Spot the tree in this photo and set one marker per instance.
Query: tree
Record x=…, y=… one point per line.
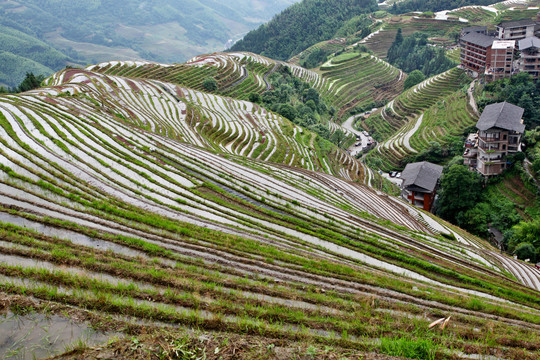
x=321, y=130
x=288, y=111
x=415, y=77
x=525, y=250
x=475, y=220
x=30, y=82
x=254, y=97
x=528, y=232
x=399, y=37
x=210, y=84
x=338, y=137
x=460, y=191
x=311, y=94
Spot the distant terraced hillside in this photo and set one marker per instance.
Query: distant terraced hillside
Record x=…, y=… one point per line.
x=344, y=84
x=380, y=42
x=431, y=111
x=237, y=74
x=358, y=80
x=110, y=212
x=213, y=122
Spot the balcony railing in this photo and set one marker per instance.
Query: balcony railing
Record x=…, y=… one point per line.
x=491, y=159
x=490, y=138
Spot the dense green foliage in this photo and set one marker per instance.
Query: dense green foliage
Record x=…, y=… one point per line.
x=476, y=208
x=524, y=239
x=435, y=5
x=518, y=90
x=297, y=101
x=21, y=53
x=315, y=58
x=531, y=139
x=302, y=25
x=525, y=251
x=460, y=190
x=357, y=25
x=30, y=82
x=210, y=84
x=13, y=69
x=415, y=77
x=439, y=151
x=413, y=53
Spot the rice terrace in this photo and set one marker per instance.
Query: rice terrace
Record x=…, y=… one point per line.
x=147, y=212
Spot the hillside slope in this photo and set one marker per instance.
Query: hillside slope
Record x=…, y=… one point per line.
x=115, y=212
x=84, y=32
x=302, y=25
x=210, y=121
x=357, y=81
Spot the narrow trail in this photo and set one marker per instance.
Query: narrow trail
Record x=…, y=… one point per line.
x=407, y=136
x=527, y=166
x=244, y=77
x=472, y=101
x=268, y=86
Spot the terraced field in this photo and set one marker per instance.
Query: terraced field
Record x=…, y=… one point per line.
x=380, y=42
x=360, y=80
x=115, y=214
x=483, y=15
x=431, y=110
x=223, y=124
x=366, y=78
x=333, y=45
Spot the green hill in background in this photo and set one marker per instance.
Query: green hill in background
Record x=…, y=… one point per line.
x=54, y=34
x=302, y=25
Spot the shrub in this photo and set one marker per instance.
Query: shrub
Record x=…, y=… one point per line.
x=210, y=84
x=525, y=250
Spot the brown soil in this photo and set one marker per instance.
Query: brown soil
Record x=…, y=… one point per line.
x=164, y=344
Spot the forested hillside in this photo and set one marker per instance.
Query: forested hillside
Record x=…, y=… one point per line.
x=302, y=25
x=43, y=36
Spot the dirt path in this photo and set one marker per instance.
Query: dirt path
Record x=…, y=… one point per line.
x=407, y=136
x=472, y=102
x=527, y=166
x=268, y=86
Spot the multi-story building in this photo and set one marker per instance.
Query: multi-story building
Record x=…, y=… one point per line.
x=471, y=152
x=483, y=54
x=530, y=56
x=499, y=133
x=475, y=51
x=516, y=30
x=500, y=59
x=420, y=181
x=537, y=28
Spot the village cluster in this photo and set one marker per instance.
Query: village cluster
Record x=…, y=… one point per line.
x=489, y=56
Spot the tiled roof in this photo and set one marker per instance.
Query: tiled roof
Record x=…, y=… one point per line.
x=529, y=43
x=471, y=29
x=517, y=23
x=422, y=175
x=503, y=116
x=478, y=39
